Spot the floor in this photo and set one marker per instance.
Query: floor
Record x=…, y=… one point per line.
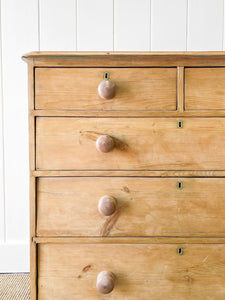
x=15, y=286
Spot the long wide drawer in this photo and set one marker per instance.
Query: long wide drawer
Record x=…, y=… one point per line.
x=120, y=206
x=70, y=271
x=139, y=143
x=77, y=88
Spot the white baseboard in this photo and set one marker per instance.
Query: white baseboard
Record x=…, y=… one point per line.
x=14, y=258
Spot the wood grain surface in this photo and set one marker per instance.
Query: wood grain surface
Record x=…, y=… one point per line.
x=129, y=240
x=32, y=185
x=141, y=144
x=72, y=242
x=204, y=88
x=126, y=59
x=129, y=173
x=69, y=271
x=77, y=88
x=129, y=113
x=145, y=207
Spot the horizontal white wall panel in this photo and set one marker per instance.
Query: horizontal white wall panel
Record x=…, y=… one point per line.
x=205, y=25
x=57, y=25
x=132, y=25
x=95, y=25
x=168, y=25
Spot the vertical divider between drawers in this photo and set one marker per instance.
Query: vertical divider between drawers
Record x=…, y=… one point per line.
x=180, y=89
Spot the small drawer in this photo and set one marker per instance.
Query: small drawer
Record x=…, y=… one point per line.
x=130, y=143
x=120, y=206
x=205, y=88
x=74, y=271
x=133, y=89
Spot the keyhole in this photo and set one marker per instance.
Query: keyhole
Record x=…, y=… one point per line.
x=180, y=251
x=106, y=75
x=180, y=124
x=180, y=185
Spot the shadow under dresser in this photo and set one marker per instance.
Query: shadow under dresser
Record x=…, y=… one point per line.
x=127, y=175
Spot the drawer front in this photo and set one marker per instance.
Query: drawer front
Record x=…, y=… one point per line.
x=140, y=271
x=144, y=206
x=205, y=88
x=139, y=144
x=77, y=88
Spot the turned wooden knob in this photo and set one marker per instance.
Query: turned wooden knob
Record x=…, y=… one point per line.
x=105, y=143
x=106, y=89
x=105, y=282
x=107, y=205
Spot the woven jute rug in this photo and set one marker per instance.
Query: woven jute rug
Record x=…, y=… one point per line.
x=15, y=286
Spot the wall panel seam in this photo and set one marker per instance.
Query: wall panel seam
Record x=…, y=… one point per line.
x=223, y=29
x=150, y=23
x=187, y=6
x=113, y=37
x=2, y=134
x=76, y=14
x=39, y=33
x=77, y=9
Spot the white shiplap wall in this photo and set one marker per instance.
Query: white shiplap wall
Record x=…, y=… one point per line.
x=19, y=32
x=28, y=25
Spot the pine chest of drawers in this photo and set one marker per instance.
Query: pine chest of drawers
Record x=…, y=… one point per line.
x=127, y=175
